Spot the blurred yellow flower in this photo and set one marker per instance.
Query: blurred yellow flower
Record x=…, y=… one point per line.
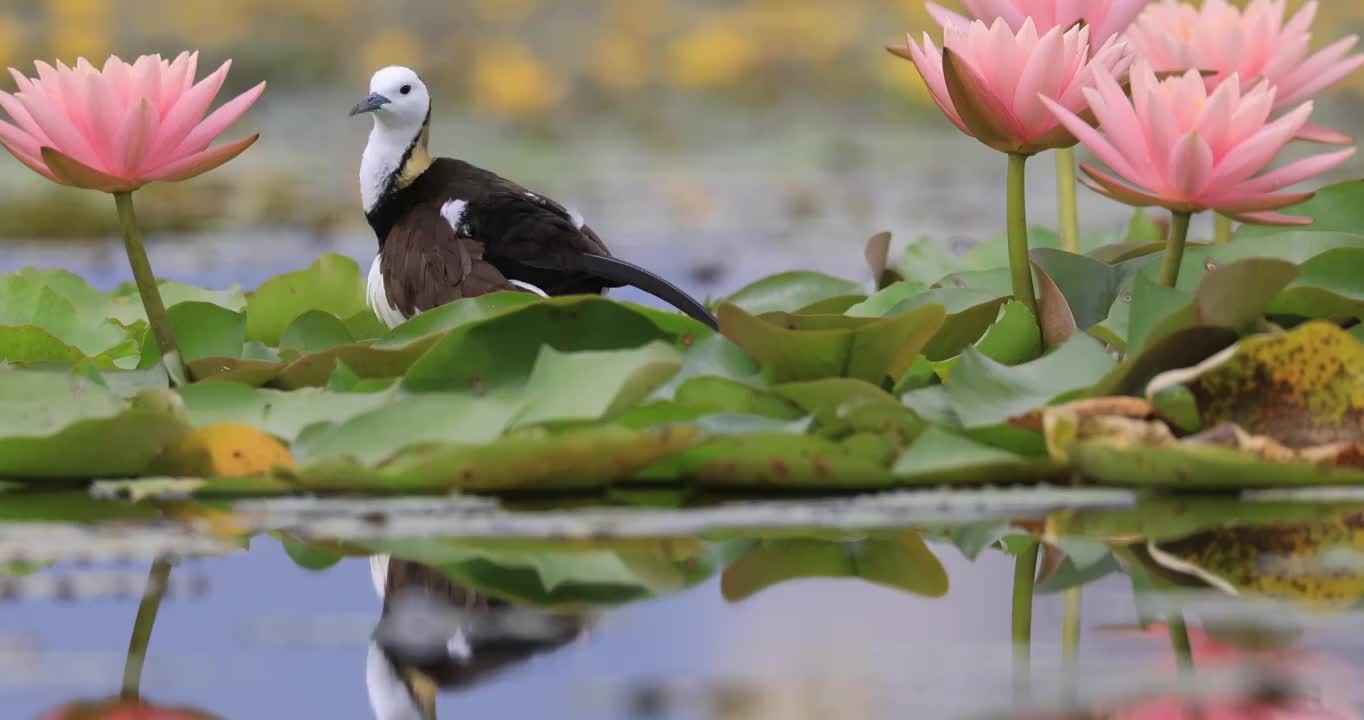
x=13, y=38
x=718, y=54
x=202, y=23
x=808, y=30
x=618, y=62
x=80, y=28
x=390, y=46
x=507, y=12
x=508, y=79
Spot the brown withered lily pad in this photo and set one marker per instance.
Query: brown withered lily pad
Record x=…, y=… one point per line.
x=1303, y=388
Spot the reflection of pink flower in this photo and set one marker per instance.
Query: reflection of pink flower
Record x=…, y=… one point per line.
x=123, y=710
x=1105, y=18
x=1174, y=145
x=989, y=81
x=124, y=126
x=1208, y=653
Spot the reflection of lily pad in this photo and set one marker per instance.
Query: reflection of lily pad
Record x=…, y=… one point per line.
x=1320, y=564
x=561, y=575
x=901, y=561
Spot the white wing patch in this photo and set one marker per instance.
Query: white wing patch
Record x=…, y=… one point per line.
x=577, y=219
x=453, y=212
x=377, y=296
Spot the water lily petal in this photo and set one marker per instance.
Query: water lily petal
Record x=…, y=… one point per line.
x=69, y=171
x=1272, y=218
x=1252, y=155
x=1323, y=135
x=1091, y=139
x=1190, y=166
x=1296, y=172
x=1120, y=191
x=188, y=111
x=135, y=136
x=32, y=160
x=1321, y=71
x=947, y=18
x=201, y=162
x=988, y=119
x=59, y=129
x=207, y=131
x=1256, y=203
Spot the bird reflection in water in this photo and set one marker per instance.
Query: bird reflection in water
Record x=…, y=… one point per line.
x=436, y=635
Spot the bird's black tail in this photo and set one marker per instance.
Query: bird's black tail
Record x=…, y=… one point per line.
x=618, y=272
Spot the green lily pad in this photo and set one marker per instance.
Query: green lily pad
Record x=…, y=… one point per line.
x=1329, y=285
x=587, y=386
x=985, y=393
x=481, y=356
x=58, y=425
x=536, y=460
x=792, y=291
x=1090, y=286
x=901, y=561
x=776, y=460
x=282, y=414
x=332, y=284
x=942, y=457
x=797, y=348
x=315, y=331
x=26, y=302
x=125, y=305
x=203, y=330
x=1337, y=208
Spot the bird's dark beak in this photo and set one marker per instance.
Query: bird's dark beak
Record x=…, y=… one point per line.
x=369, y=104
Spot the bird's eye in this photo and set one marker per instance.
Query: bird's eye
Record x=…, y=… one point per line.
x=406, y=89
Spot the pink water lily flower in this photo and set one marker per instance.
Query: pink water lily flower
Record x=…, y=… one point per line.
x=1174, y=145
x=1255, y=44
x=1105, y=18
x=118, y=128
x=989, y=80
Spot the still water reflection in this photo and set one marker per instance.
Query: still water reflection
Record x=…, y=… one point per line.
x=892, y=606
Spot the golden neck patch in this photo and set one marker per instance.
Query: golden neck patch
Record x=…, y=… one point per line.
x=417, y=161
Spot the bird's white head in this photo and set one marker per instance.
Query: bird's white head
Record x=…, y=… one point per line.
x=398, y=99
x=397, y=150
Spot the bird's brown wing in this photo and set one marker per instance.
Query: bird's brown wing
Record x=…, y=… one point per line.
x=427, y=264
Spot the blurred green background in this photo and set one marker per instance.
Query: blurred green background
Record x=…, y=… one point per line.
x=702, y=131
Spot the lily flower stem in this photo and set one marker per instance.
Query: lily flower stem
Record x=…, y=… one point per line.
x=157, y=317
x=1020, y=264
x=1221, y=229
x=1025, y=575
x=1070, y=641
x=1174, y=248
x=1066, y=201
x=142, y=628
x=1179, y=638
